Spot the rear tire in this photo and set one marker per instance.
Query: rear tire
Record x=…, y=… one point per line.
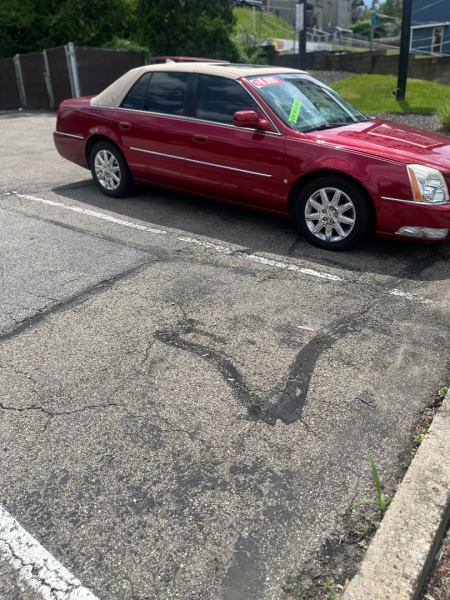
x=110, y=170
x=334, y=214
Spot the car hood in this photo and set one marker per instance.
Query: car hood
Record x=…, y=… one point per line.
x=390, y=140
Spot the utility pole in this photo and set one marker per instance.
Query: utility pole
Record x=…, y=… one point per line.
x=301, y=28
x=373, y=20
x=405, y=41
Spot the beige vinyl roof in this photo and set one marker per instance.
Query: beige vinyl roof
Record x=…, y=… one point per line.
x=114, y=94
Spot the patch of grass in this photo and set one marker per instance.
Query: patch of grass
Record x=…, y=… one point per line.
x=373, y=94
x=266, y=25
x=350, y=48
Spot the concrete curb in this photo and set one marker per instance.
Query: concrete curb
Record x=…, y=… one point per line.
x=401, y=553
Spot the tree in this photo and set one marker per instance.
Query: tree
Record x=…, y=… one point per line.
x=392, y=8
x=24, y=25
x=186, y=28
x=91, y=22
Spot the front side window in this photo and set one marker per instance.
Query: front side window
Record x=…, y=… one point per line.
x=303, y=103
x=219, y=98
x=166, y=93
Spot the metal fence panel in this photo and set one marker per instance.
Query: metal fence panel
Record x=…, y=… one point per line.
x=59, y=75
x=98, y=67
x=9, y=92
x=33, y=75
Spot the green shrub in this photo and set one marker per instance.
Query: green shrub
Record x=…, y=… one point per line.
x=444, y=116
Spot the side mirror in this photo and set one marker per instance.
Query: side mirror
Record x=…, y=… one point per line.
x=246, y=118
x=250, y=119
x=264, y=125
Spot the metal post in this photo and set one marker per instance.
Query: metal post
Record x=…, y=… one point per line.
x=405, y=41
x=373, y=20
x=73, y=69
x=19, y=78
x=301, y=27
x=48, y=81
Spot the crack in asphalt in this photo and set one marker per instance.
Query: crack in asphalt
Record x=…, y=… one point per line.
x=292, y=398
x=38, y=573
x=75, y=300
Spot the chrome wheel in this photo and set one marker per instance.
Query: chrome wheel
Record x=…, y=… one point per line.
x=107, y=170
x=330, y=214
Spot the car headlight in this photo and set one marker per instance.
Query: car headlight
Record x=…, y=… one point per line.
x=428, y=185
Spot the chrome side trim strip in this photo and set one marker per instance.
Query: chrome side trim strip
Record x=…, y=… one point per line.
x=229, y=168
x=399, y=200
x=200, y=162
x=149, y=112
x=227, y=126
x=414, y=203
x=158, y=153
x=79, y=137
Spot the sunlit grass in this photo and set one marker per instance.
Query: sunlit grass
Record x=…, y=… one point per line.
x=267, y=25
x=373, y=94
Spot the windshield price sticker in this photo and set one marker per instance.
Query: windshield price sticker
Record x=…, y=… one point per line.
x=295, y=110
x=263, y=81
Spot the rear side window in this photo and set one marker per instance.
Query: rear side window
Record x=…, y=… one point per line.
x=135, y=97
x=219, y=98
x=166, y=93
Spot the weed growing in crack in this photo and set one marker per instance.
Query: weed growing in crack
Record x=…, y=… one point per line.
x=443, y=392
x=297, y=591
x=366, y=529
x=330, y=595
x=381, y=501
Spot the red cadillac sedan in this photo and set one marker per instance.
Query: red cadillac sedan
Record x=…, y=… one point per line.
x=267, y=138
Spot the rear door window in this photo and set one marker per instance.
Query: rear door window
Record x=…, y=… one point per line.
x=219, y=98
x=166, y=93
x=135, y=97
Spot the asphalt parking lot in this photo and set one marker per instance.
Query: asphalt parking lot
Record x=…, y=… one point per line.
x=179, y=413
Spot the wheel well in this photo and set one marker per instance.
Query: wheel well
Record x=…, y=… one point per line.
x=308, y=177
x=94, y=140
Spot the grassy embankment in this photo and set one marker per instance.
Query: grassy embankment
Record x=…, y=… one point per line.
x=373, y=94
x=267, y=25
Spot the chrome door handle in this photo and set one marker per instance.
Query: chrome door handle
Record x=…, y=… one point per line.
x=124, y=125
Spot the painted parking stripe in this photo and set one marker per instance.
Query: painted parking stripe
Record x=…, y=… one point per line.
x=36, y=567
x=409, y=296
x=189, y=240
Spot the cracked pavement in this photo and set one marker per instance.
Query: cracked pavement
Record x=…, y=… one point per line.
x=166, y=428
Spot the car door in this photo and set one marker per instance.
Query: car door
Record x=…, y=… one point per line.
x=151, y=127
x=224, y=161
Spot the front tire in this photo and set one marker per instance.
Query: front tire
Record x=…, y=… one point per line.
x=110, y=170
x=333, y=213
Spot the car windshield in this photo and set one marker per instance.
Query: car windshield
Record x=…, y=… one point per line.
x=303, y=103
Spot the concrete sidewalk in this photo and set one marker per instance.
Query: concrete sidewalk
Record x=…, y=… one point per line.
x=400, y=555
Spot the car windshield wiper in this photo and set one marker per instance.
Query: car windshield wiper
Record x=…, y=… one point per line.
x=329, y=125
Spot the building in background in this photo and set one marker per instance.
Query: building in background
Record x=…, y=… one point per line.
x=430, y=27
x=320, y=14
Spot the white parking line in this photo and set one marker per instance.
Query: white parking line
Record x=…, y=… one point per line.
x=409, y=296
x=35, y=566
x=189, y=240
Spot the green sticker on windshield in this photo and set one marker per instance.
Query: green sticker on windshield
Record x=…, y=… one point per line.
x=293, y=117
